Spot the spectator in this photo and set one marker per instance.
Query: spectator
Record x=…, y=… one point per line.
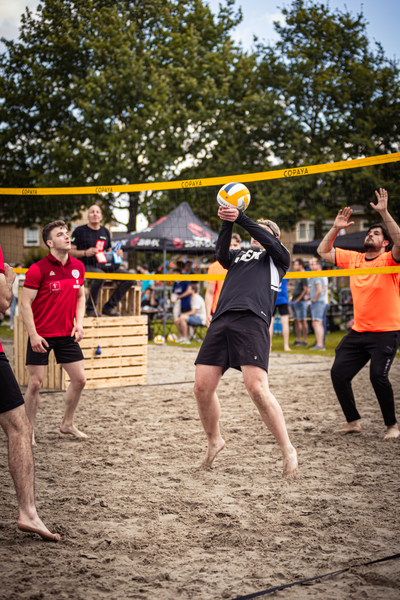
x=299, y=305
x=282, y=306
x=180, y=296
x=91, y=243
x=195, y=317
x=146, y=283
x=148, y=304
x=319, y=300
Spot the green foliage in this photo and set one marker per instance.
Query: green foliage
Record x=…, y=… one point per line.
x=34, y=255
x=100, y=93
x=341, y=101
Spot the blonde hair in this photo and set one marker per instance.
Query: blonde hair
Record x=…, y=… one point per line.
x=273, y=226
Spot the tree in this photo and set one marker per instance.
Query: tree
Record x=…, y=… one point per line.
x=319, y=95
x=341, y=101
x=104, y=93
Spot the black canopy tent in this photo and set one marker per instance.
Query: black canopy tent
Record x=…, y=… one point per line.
x=349, y=241
x=180, y=231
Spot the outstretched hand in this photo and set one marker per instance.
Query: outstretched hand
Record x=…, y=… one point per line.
x=228, y=214
x=382, y=197
x=342, y=219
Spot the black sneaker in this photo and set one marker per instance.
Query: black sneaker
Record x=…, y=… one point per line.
x=110, y=311
x=90, y=312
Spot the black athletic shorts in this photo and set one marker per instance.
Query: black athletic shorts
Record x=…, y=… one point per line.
x=65, y=348
x=234, y=339
x=10, y=394
x=283, y=309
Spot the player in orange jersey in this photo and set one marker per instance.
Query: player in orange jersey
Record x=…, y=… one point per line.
x=375, y=334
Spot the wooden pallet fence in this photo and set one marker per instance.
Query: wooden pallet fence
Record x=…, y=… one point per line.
x=123, y=358
x=54, y=375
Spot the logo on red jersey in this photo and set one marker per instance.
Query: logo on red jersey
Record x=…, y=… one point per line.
x=75, y=274
x=55, y=286
x=51, y=273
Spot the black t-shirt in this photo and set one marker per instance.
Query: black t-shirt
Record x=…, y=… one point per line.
x=254, y=275
x=83, y=237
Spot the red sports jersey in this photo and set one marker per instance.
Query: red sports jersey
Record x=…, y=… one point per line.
x=54, y=307
x=1, y=271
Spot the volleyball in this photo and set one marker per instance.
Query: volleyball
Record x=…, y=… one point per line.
x=172, y=337
x=234, y=195
x=159, y=339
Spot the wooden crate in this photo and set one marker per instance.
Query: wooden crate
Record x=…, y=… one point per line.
x=130, y=303
x=123, y=358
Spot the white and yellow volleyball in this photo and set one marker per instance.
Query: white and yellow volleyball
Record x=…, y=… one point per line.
x=234, y=195
x=159, y=339
x=172, y=337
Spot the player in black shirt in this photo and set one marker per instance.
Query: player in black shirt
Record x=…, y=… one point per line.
x=91, y=243
x=238, y=336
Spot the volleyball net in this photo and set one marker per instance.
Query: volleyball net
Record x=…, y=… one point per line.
x=303, y=201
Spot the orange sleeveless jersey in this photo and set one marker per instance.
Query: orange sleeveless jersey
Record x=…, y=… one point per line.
x=376, y=298
x=216, y=269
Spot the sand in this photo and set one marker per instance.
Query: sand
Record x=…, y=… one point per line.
x=138, y=519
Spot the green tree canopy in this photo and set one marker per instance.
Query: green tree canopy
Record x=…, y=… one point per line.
x=101, y=93
x=320, y=94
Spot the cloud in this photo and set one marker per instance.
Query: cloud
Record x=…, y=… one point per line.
x=11, y=12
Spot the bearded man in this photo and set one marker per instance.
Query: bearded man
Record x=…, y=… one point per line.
x=375, y=334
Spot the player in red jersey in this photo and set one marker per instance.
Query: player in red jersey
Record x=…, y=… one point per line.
x=17, y=428
x=52, y=307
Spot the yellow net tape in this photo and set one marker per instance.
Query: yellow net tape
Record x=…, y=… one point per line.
x=206, y=277
x=194, y=183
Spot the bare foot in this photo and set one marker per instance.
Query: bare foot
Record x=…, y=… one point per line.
x=353, y=427
x=287, y=349
x=72, y=430
x=392, y=432
x=290, y=465
x=211, y=454
x=37, y=526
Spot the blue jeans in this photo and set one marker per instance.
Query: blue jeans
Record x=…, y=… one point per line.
x=299, y=310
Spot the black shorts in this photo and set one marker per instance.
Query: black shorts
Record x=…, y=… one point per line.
x=236, y=338
x=283, y=309
x=65, y=348
x=10, y=394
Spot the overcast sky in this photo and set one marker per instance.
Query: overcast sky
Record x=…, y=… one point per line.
x=383, y=17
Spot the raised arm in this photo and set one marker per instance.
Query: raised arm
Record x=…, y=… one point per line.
x=6, y=283
x=222, y=252
x=272, y=245
x=325, y=249
x=393, y=228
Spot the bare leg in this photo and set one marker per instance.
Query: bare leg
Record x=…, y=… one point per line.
x=305, y=330
x=352, y=427
x=392, y=432
x=76, y=372
x=19, y=432
x=271, y=332
x=319, y=333
x=298, y=329
x=256, y=382
x=206, y=382
x=285, y=332
x=36, y=376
